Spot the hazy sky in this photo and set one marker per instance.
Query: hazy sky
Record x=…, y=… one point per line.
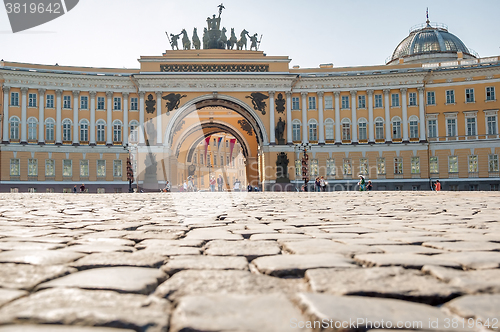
x=115, y=33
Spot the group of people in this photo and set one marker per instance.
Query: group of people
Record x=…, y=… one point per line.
x=320, y=183
x=188, y=186
x=82, y=188
x=363, y=185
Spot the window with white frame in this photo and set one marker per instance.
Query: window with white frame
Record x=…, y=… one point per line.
x=396, y=127
x=490, y=93
x=450, y=96
x=134, y=131
x=329, y=129
x=84, y=102
x=295, y=103
x=415, y=165
x=313, y=168
x=362, y=101
x=381, y=166
x=431, y=98
x=378, y=101
x=472, y=164
x=50, y=101
x=493, y=163
x=67, y=167
x=412, y=99
x=117, y=104
x=398, y=165
x=491, y=124
x=328, y=102
x=32, y=167
x=202, y=161
x=345, y=102
x=453, y=164
x=32, y=100
x=471, y=125
x=15, y=167
x=117, y=131
x=363, y=166
x=395, y=99
x=469, y=95
x=67, y=102
x=222, y=160
x=101, y=129
x=347, y=167
x=432, y=128
x=14, y=128
x=100, y=103
x=66, y=129
x=50, y=167
x=32, y=129
x=413, y=120
x=296, y=130
x=451, y=126
x=313, y=130
x=14, y=99
x=433, y=165
x=346, y=129
x=84, y=130
x=362, y=123
x=49, y=129
x=379, y=128
x=312, y=103
x=117, y=168
x=101, y=168
x=330, y=167
x=227, y=161
x=134, y=104
x=298, y=168
x=84, y=168
x=215, y=159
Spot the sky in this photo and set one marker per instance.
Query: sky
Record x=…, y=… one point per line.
x=115, y=33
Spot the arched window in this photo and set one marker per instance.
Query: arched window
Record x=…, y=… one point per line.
x=101, y=125
x=117, y=131
x=413, y=126
x=396, y=127
x=32, y=123
x=329, y=129
x=296, y=130
x=379, y=128
x=84, y=130
x=49, y=129
x=134, y=127
x=346, y=129
x=362, y=129
x=313, y=130
x=66, y=129
x=14, y=128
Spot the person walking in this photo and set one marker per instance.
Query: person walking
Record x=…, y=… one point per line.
x=317, y=184
x=362, y=183
x=438, y=185
x=74, y=189
x=220, y=182
x=322, y=184
x=212, y=184
x=82, y=188
x=190, y=184
x=369, y=186
x=185, y=186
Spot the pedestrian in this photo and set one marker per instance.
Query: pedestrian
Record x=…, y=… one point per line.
x=190, y=183
x=82, y=188
x=322, y=183
x=438, y=185
x=212, y=184
x=317, y=184
x=74, y=189
x=249, y=188
x=369, y=186
x=185, y=186
x=362, y=183
x=167, y=187
x=236, y=186
x=220, y=182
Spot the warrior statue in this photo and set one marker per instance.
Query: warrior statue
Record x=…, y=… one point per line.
x=254, y=41
x=280, y=130
x=186, y=44
x=206, y=38
x=196, y=39
x=174, y=39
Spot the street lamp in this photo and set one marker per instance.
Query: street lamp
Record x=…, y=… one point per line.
x=305, y=163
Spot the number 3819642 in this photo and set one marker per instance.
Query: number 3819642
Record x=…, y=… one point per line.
x=33, y=8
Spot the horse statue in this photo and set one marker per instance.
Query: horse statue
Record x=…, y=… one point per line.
x=232, y=41
x=206, y=38
x=242, y=41
x=223, y=39
x=185, y=40
x=196, y=39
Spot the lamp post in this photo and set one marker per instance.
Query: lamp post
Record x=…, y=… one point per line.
x=305, y=164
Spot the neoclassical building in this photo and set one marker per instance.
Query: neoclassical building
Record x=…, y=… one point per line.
x=430, y=112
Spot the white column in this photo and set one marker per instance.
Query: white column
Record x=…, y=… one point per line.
x=321, y=118
x=305, y=127
x=387, y=116
x=159, y=126
x=371, y=129
x=140, y=130
x=338, y=136
x=5, y=119
x=354, y=118
x=125, y=118
x=58, y=117
x=41, y=116
x=76, y=127
x=405, y=114
x=272, y=123
x=92, y=118
x=289, y=129
x=24, y=107
x=109, y=118
x=421, y=114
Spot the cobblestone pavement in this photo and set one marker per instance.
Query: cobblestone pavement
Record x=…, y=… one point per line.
x=250, y=261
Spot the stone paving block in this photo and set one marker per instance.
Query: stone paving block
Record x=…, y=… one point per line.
x=58, y=328
x=67, y=306
x=95, y=248
x=121, y=279
x=485, y=307
x=248, y=249
x=26, y=277
x=322, y=246
x=8, y=295
x=408, y=249
x=296, y=265
x=406, y=260
x=234, y=312
x=468, y=281
x=474, y=260
x=211, y=234
x=103, y=241
x=24, y=245
x=168, y=243
x=137, y=259
x=179, y=263
x=279, y=236
x=139, y=236
x=45, y=239
x=464, y=246
x=39, y=257
x=172, y=250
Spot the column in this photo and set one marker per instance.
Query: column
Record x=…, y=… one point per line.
x=24, y=107
x=41, y=116
x=421, y=114
x=405, y=114
x=6, y=101
x=272, y=123
x=387, y=116
x=109, y=118
x=92, y=119
x=338, y=136
x=159, y=127
x=354, y=126
x=125, y=118
x=140, y=130
x=58, y=117
x=305, y=127
x=289, y=127
x=371, y=129
x=321, y=118
x=76, y=131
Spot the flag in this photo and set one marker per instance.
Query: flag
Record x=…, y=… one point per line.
x=231, y=146
x=218, y=143
x=207, y=142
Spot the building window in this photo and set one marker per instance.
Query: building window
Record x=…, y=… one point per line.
x=451, y=127
x=469, y=95
x=362, y=101
x=101, y=130
x=66, y=129
x=313, y=130
x=379, y=128
x=433, y=165
x=15, y=169
x=490, y=93
x=227, y=143
x=215, y=159
x=84, y=102
x=413, y=126
x=50, y=101
x=67, y=102
x=398, y=165
x=313, y=168
x=362, y=129
x=32, y=100
x=346, y=129
x=50, y=168
x=415, y=165
x=453, y=164
x=345, y=102
x=396, y=127
x=67, y=168
x=328, y=102
x=432, y=128
x=296, y=130
x=215, y=141
x=395, y=99
x=14, y=99
x=347, y=167
x=100, y=103
x=381, y=166
x=378, y=101
x=32, y=132
x=14, y=128
x=227, y=161
x=431, y=98
x=117, y=131
x=84, y=130
x=491, y=124
x=117, y=168
x=329, y=129
x=298, y=168
x=450, y=96
x=363, y=166
x=49, y=129
x=134, y=104
x=84, y=168
x=101, y=168
x=295, y=103
x=330, y=167
x=201, y=159
x=222, y=160
x=472, y=164
x=312, y=103
x=117, y=104
x=412, y=100
x=134, y=131
x=471, y=127
x=493, y=163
